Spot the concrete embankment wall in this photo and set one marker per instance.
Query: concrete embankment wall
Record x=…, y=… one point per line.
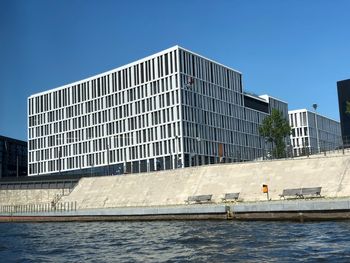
x=28, y=196
x=297, y=209
x=174, y=186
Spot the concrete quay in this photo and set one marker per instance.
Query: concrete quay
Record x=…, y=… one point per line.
x=172, y=187
x=293, y=210
x=185, y=212
x=161, y=195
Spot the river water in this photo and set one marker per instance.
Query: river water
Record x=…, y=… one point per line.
x=175, y=241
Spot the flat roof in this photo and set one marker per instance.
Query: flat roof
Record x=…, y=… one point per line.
x=256, y=97
x=306, y=110
x=127, y=66
x=344, y=80
x=268, y=96
x=12, y=139
x=209, y=60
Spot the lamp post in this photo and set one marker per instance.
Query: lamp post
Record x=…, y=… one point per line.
x=198, y=149
x=108, y=170
x=59, y=160
x=17, y=170
x=265, y=152
x=92, y=167
x=317, y=136
x=177, y=151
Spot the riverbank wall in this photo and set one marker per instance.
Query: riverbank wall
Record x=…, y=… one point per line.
x=292, y=210
x=173, y=187
x=105, y=198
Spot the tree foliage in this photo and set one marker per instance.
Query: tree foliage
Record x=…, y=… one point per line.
x=347, y=109
x=275, y=128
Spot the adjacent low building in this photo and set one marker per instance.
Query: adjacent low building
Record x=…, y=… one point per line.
x=304, y=133
x=169, y=110
x=13, y=157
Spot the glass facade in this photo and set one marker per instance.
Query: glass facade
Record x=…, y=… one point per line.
x=344, y=103
x=13, y=157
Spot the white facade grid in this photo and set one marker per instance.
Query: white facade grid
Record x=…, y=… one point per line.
x=304, y=134
x=127, y=114
x=172, y=109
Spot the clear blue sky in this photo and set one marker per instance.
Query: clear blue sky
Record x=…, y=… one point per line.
x=294, y=50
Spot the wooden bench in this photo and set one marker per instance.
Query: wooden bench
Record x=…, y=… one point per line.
x=291, y=192
x=301, y=192
x=199, y=199
x=313, y=191
x=230, y=196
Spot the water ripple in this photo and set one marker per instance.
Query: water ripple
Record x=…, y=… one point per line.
x=176, y=241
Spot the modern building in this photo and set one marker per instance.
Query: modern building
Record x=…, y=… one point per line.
x=344, y=109
x=169, y=110
x=304, y=133
x=13, y=157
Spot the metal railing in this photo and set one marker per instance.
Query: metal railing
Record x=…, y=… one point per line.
x=39, y=208
x=5, y=184
x=325, y=148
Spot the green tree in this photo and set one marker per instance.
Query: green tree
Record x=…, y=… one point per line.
x=274, y=129
x=347, y=110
